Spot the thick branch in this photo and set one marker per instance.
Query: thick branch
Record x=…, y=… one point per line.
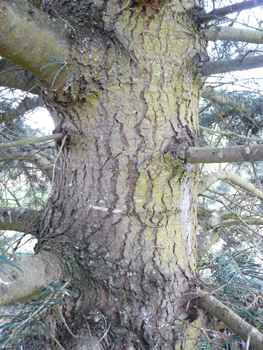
x=224, y=175
x=30, y=141
x=20, y=220
x=247, y=153
x=231, y=319
x=223, y=11
x=35, y=157
x=47, y=37
x=15, y=77
x=217, y=67
x=234, y=34
x=38, y=270
x=24, y=106
x=223, y=100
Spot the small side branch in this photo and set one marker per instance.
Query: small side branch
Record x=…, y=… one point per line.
x=35, y=157
x=31, y=141
x=14, y=77
x=224, y=175
x=247, y=153
x=20, y=219
x=223, y=11
x=223, y=99
x=38, y=270
x=218, y=67
x=28, y=104
x=231, y=319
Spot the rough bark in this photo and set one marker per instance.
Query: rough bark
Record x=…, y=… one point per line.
x=20, y=220
x=38, y=270
x=122, y=216
x=122, y=197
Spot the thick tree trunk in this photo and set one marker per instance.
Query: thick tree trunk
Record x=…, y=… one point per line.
x=123, y=212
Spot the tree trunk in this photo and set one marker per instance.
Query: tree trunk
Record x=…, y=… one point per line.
x=122, y=215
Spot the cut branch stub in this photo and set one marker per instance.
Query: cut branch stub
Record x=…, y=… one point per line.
x=181, y=142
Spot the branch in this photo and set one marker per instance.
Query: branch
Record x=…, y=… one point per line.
x=217, y=67
x=24, y=106
x=34, y=157
x=222, y=99
x=234, y=34
x=20, y=220
x=38, y=270
x=21, y=21
x=246, y=153
x=249, y=221
x=224, y=175
x=30, y=141
x=223, y=11
x=231, y=319
x=205, y=241
x=15, y=77
x=209, y=236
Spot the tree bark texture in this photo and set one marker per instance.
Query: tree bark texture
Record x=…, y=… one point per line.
x=122, y=216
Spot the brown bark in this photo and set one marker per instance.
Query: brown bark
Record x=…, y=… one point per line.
x=122, y=216
x=122, y=196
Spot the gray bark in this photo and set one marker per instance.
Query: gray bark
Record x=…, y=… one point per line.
x=218, y=67
x=234, y=34
x=246, y=153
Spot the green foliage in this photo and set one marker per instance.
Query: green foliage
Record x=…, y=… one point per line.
x=63, y=64
x=237, y=280
x=32, y=318
x=219, y=343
